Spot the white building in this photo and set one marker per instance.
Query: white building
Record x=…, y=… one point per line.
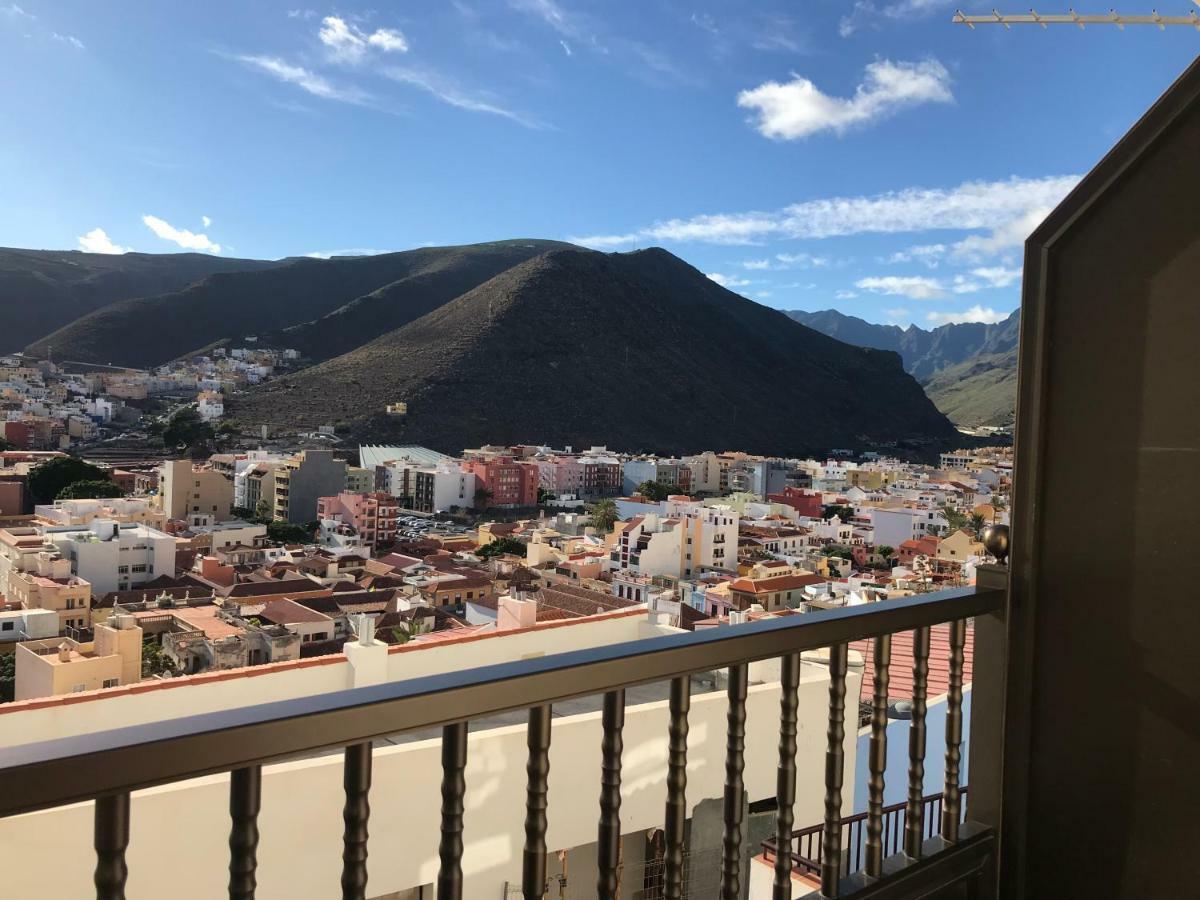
x=112, y=556
x=210, y=405
x=27, y=625
x=895, y=525
x=687, y=539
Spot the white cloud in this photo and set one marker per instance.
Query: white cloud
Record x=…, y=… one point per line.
x=566, y=47
x=798, y=108
x=1006, y=236
x=309, y=81
x=915, y=287
x=927, y=254
x=68, y=39
x=350, y=251
x=865, y=12
x=801, y=260
x=389, y=40
x=997, y=276
x=1000, y=206
x=348, y=43
x=189, y=240
x=455, y=96
x=96, y=241
x=206, y=221
x=763, y=295
x=985, y=315
x=846, y=295
x=549, y=12
x=897, y=314
x=728, y=281
x=756, y=264
x=918, y=287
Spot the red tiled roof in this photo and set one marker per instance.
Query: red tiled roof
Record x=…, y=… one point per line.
x=900, y=671
x=775, y=583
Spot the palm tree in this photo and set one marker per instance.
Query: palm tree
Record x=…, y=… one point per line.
x=604, y=515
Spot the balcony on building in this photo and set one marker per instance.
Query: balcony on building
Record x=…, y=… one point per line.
x=618, y=756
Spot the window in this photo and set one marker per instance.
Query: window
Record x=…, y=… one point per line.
x=122, y=570
x=70, y=603
x=141, y=568
x=78, y=688
x=111, y=682
x=7, y=626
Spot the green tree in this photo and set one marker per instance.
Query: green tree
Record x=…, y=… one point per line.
x=653, y=491
x=501, y=546
x=187, y=429
x=845, y=513
x=545, y=496
x=5, y=444
x=977, y=523
x=604, y=515
x=154, y=661
x=47, y=481
x=89, y=490
x=885, y=551
x=835, y=550
x=288, y=533
x=954, y=519
x=8, y=676
x=482, y=497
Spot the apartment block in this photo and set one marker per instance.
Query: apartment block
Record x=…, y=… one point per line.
x=198, y=495
x=373, y=516
x=302, y=479
x=57, y=666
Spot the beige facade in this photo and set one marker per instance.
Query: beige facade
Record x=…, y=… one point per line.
x=198, y=496
x=57, y=666
x=50, y=585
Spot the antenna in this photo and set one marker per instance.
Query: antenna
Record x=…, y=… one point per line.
x=1033, y=17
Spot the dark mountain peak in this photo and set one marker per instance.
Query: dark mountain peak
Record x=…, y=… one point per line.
x=634, y=349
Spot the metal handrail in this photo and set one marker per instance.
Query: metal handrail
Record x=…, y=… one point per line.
x=47, y=774
x=812, y=864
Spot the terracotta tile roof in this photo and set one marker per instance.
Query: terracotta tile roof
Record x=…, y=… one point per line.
x=900, y=670
x=775, y=583
x=288, y=612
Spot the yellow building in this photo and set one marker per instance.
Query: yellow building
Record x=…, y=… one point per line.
x=59, y=666
x=49, y=584
x=198, y=496
x=959, y=546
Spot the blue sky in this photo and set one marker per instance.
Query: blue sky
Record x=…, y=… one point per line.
x=867, y=156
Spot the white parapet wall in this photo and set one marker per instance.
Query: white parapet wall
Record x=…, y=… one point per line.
x=179, y=834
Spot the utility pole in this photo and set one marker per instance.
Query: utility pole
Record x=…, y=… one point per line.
x=1033, y=17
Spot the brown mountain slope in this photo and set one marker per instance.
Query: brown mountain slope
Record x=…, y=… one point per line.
x=43, y=290
x=153, y=330
x=636, y=350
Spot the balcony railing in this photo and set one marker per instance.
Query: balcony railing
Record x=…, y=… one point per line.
x=807, y=844
x=107, y=766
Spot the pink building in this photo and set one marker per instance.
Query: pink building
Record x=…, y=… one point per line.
x=510, y=483
x=373, y=515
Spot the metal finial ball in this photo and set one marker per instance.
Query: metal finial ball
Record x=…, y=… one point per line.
x=995, y=540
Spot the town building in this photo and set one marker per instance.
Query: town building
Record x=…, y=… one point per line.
x=302, y=479
x=198, y=495
x=372, y=516
x=112, y=556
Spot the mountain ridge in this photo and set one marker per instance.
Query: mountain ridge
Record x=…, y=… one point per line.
x=555, y=340
x=967, y=369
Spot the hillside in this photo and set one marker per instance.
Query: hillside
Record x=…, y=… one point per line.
x=968, y=370
x=636, y=350
x=348, y=300
x=43, y=290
